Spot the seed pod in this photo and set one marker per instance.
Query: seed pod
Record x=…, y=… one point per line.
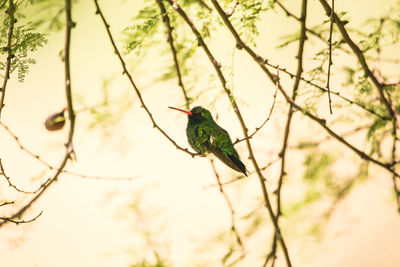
x=55, y=121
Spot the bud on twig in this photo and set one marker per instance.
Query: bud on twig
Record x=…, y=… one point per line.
x=55, y=121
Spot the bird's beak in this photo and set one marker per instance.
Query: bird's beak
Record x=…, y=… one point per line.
x=181, y=110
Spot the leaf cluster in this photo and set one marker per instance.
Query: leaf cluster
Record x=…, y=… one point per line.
x=24, y=40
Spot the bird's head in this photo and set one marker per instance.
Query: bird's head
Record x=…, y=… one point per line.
x=197, y=113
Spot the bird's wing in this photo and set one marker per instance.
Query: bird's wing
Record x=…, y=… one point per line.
x=221, y=146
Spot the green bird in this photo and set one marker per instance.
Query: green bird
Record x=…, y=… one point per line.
x=206, y=136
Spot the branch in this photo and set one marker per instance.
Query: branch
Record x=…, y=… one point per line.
x=19, y=222
x=240, y=177
x=10, y=11
x=323, y=89
x=282, y=154
x=203, y=4
x=126, y=72
x=69, y=147
x=51, y=167
x=170, y=40
x=3, y=172
x=269, y=115
x=3, y=3
x=359, y=54
x=290, y=14
x=330, y=63
x=229, y=203
x=6, y=203
x=327, y=138
x=299, y=57
x=395, y=179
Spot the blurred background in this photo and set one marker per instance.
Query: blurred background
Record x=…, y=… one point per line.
x=139, y=201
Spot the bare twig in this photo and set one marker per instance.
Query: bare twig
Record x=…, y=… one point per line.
x=170, y=40
x=282, y=154
x=6, y=203
x=241, y=177
x=329, y=137
x=3, y=3
x=271, y=257
x=51, y=167
x=299, y=57
x=396, y=180
x=290, y=14
x=229, y=203
x=269, y=115
x=5, y=219
x=69, y=146
x=10, y=11
x=330, y=62
x=323, y=89
x=3, y=172
x=203, y=4
x=126, y=72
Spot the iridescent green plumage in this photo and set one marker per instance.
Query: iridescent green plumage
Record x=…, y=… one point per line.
x=206, y=136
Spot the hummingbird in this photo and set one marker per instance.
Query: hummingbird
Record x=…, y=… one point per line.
x=206, y=136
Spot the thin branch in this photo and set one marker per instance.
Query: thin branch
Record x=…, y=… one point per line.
x=6, y=203
x=360, y=56
x=299, y=57
x=229, y=203
x=203, y=4
x=330, y=62
x=69, y=147
x=269, y=115
x=3, y=172
x=241, y=177
x=245, y=132
x=10, y=11
x=323, y=89
x=170, y=40
x=51, y=167
x=126, y=72
x=3, y=3
x=396, y=180
x=5, y=219
x=290, y=14
x=272, y=255
x=329, y=137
